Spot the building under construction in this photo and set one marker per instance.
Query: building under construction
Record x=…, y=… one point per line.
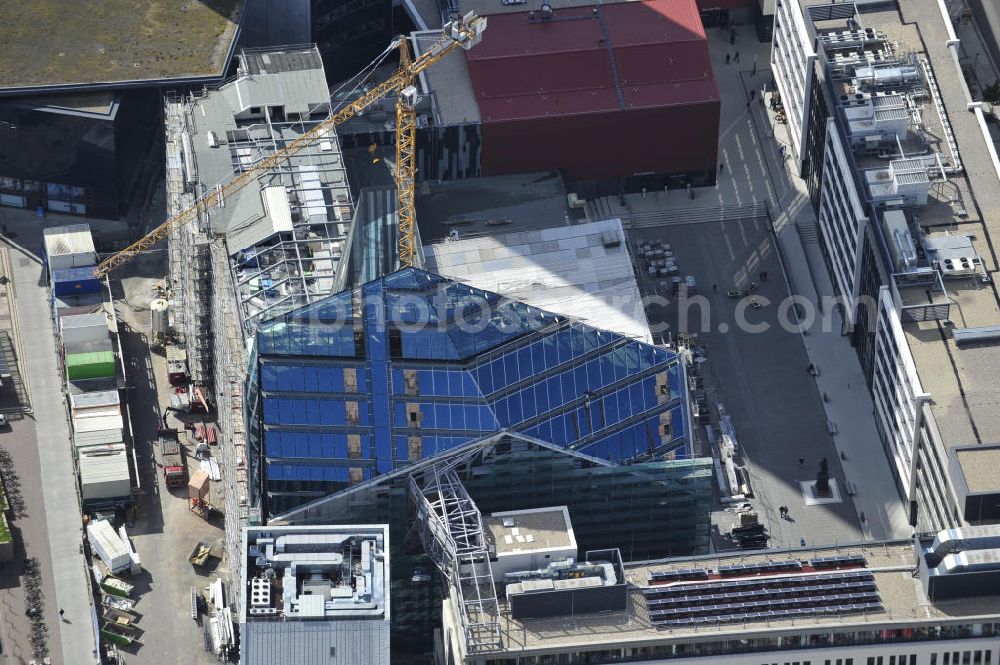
x=326, y=391
x=273, y=247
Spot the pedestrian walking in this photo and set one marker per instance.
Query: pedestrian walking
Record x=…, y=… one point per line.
x=715, y=288
x=722, y=167
x=736, y=58
x=802, y=461
x=748, y=105
x=753, y=72
x=753, y=93
x=727, y=58
x=802, y=542
x=62, y=612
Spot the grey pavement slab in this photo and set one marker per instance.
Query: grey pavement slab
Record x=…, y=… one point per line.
x=755, y=170
x=757, y=367
x=164, y=531
x=59, y=487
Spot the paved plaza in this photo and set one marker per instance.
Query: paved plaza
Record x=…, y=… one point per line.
x=756, y=172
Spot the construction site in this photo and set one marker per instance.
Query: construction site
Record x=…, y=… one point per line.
x=424, y=332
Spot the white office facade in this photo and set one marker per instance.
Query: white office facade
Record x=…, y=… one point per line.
x=793, y=65
x=841, y=218
x=896, y=643
x=896, y=393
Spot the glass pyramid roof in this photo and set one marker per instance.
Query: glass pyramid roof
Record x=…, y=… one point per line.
x=443, y=319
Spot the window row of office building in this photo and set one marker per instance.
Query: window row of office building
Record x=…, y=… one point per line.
x=864, y=112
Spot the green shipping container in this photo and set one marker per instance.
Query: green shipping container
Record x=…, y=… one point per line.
x=93, y=365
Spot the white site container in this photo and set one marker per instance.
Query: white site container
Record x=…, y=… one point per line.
x=69, y=247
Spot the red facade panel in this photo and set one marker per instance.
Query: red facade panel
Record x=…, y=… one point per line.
x=728, y=4
x=676, y=62
x=608, y=145
x=653, y=22
x=542, y=74
x=606, y=91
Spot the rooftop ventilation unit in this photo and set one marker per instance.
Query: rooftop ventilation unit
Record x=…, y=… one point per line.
x=960, y=266
x=260, y=593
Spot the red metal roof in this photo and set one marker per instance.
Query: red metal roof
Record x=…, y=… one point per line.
x=592, y=59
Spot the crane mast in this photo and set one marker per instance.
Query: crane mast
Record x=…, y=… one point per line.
x=464, y=32
x=406, y=162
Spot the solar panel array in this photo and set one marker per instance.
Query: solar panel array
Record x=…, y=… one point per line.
x=659, y=577
x=741, y=569
x=764, y=598
x=837, y=561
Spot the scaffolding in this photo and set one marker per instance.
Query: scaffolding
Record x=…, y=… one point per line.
x=271, y=248
x=451, y=531
x=294, y=257
x=230, y=356
x=187, y=250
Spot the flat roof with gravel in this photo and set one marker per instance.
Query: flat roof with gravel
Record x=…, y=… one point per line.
x=891, y=564
x=527, y=530
x=981, y=468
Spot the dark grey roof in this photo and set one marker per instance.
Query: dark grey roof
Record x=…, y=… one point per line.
x=374, y=236
x=347, y=642
x=270, y=61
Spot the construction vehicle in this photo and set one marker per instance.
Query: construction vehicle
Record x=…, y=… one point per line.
x=172, y=458
x=464, y=32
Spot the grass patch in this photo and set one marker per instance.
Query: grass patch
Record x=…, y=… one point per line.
x=5, y=536
x=49, y=42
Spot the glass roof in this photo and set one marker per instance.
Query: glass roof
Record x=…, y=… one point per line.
x=442, y=319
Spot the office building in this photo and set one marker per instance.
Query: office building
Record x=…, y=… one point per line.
x=79, y=108
x=410, y=365
x=351, y=34
x=86, y=153
x=854, y=604
x=272, y=246
x=605, y=78
x=893, y=150
x=283, y=235
x=315, y=594
x=644, y=510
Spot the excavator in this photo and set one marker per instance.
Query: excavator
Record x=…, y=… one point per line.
x=463, y=32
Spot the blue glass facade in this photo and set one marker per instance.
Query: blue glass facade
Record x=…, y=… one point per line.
x=410, y=365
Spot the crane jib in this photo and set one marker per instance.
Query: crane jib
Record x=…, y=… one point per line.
x=464, y=32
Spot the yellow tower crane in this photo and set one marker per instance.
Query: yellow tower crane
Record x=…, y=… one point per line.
x=464, y=32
